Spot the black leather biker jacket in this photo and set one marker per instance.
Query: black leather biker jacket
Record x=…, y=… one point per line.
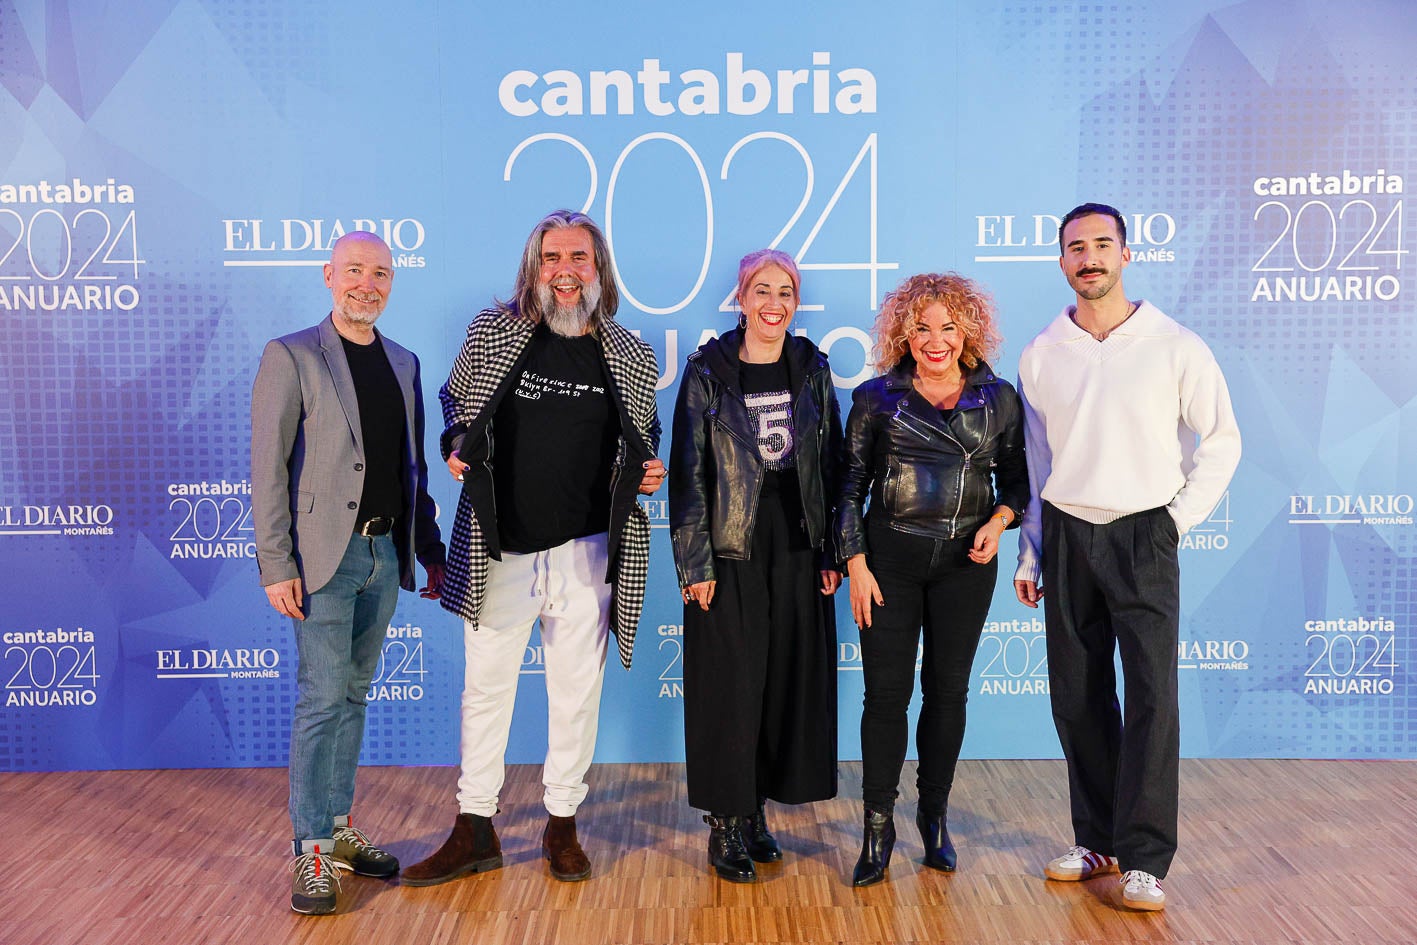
x=926, y=475
x=715, y=472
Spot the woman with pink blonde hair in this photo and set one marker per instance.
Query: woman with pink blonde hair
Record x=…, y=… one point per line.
x=752, y=476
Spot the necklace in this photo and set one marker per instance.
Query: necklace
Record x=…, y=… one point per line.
x=1102, y=334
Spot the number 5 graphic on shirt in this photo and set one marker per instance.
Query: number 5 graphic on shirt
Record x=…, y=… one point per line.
x=774, y=434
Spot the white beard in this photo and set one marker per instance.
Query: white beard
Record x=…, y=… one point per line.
x=569, y=321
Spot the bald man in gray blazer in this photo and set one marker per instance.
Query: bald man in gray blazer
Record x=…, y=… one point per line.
x=340, y=506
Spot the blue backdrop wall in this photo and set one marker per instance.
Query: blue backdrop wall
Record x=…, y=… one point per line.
x=172, y=173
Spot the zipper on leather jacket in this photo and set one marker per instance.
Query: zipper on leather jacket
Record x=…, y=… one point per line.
x=899, y=417
x=964, y=467
x=964, y=471
x=959, y=490
x=750, y=449
x=713, y=418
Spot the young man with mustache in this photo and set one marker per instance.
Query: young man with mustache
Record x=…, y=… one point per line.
x=1131, y=442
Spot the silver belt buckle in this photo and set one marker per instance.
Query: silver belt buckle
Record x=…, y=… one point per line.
x=376, y=526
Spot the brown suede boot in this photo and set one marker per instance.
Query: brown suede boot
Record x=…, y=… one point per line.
x=471, y=848
x=561, y=848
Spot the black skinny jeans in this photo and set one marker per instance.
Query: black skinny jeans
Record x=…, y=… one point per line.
x=931, y=585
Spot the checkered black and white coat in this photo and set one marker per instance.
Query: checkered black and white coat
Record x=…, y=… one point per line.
x=481, y=375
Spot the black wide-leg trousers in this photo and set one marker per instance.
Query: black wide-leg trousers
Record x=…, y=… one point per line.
x=1116, y=588
x=760, y=675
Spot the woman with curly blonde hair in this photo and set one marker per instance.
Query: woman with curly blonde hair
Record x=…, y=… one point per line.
x=936, y=441
x=968, y=303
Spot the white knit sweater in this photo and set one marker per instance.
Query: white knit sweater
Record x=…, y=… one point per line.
x=1138, y=421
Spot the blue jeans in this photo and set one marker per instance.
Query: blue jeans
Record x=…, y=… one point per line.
x=339, y=643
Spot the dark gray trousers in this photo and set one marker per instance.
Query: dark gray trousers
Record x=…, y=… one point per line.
x=1116, y=588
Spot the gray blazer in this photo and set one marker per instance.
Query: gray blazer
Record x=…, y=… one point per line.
x=307, y=460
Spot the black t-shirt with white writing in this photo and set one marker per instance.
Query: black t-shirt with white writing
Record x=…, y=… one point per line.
x=554, y=439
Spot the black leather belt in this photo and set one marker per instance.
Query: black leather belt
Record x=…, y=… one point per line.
x=375, y=526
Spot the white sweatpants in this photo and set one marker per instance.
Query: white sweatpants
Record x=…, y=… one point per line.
x=565, y=588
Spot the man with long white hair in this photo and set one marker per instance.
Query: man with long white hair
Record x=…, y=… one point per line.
x=551, y=427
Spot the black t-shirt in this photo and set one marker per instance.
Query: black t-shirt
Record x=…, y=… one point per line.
x=554, y=439
x=382, y=426
x=766, y=392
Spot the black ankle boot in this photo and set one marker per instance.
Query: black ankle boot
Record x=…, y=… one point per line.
x=762, y=845
x=876, y=848
x=935, y=834
x=726, y=851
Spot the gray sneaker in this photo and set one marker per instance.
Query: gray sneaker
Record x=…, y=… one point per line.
x=354, y=852
x=312, y=892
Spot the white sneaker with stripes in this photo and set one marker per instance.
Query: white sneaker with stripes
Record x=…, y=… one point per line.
x=1079, y=863
x=1142, y=891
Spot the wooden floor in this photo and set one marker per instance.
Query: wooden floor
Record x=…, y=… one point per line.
x=1271, y=851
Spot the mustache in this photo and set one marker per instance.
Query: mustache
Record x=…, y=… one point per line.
x=1092, y=271
x=570, y=320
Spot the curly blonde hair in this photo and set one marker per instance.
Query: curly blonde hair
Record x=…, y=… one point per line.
x=968, y=303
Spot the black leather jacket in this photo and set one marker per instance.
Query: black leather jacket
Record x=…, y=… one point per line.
x=925, y=476
x=715, y=472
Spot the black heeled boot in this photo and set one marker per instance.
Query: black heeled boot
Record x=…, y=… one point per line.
x=762, y=845
x=726, y=851
x=935, y=834
x=876, y=848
